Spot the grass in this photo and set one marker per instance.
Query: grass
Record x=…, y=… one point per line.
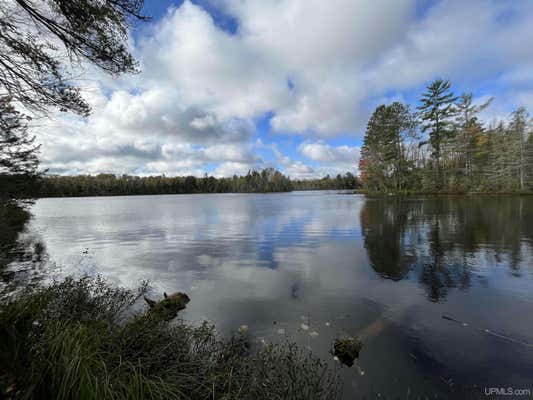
x=79, y=339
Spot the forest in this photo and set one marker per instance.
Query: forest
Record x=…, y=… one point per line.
x=442, y=145
x=264, y=181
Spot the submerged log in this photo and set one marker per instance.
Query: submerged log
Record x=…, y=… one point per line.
x=347, y=350
x=169, y=307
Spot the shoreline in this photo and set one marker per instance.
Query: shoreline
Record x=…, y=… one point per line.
x=351, y=191
x=442, y=194
x=354, y=191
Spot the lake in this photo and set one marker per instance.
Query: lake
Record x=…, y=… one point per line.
x=440, y=288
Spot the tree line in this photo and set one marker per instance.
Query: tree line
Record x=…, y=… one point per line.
x=443, y=146
x=348, y=181
x=264, y=181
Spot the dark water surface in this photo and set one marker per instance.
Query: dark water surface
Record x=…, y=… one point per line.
x=387, y=269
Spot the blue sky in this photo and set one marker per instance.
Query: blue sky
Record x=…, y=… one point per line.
x=229, y=85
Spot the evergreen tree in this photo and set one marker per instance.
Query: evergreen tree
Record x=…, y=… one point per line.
x=468, y=128
x=497, y=172
x=33, y=35
x=18, y=151
x=518, y=131
x=374, y=153
x=436, y=112
x=382, y=155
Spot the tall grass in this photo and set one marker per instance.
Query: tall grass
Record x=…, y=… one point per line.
x=77, y=339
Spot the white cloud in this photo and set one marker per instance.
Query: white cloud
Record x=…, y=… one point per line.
x=321, y=46
x=230, y=168
x=464, y=41
x=208, y=68
x=299, y=170
x=322, y=152
x=201, y=87
x=332, y=160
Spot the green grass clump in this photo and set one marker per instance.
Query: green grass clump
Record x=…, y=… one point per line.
x=78, y=339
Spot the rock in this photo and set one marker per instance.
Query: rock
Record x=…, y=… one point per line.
x=169, y=307
x=347, y=350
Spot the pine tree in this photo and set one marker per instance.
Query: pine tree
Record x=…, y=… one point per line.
x=18, y=151
x=468, y=127
x=402, y=123
x=518, y=131
x=35, y=37
x=382, y=155
x=497, y=172
x=436, y=112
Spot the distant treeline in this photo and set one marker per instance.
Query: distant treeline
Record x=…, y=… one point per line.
x=267, y=180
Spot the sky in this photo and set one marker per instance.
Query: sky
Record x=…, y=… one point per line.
x=232, y=85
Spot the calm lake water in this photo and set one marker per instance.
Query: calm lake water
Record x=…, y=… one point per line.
x=388, y=269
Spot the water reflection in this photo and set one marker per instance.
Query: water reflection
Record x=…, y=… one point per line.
x=28, y=252
x=12, y=220
x=443, y=242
